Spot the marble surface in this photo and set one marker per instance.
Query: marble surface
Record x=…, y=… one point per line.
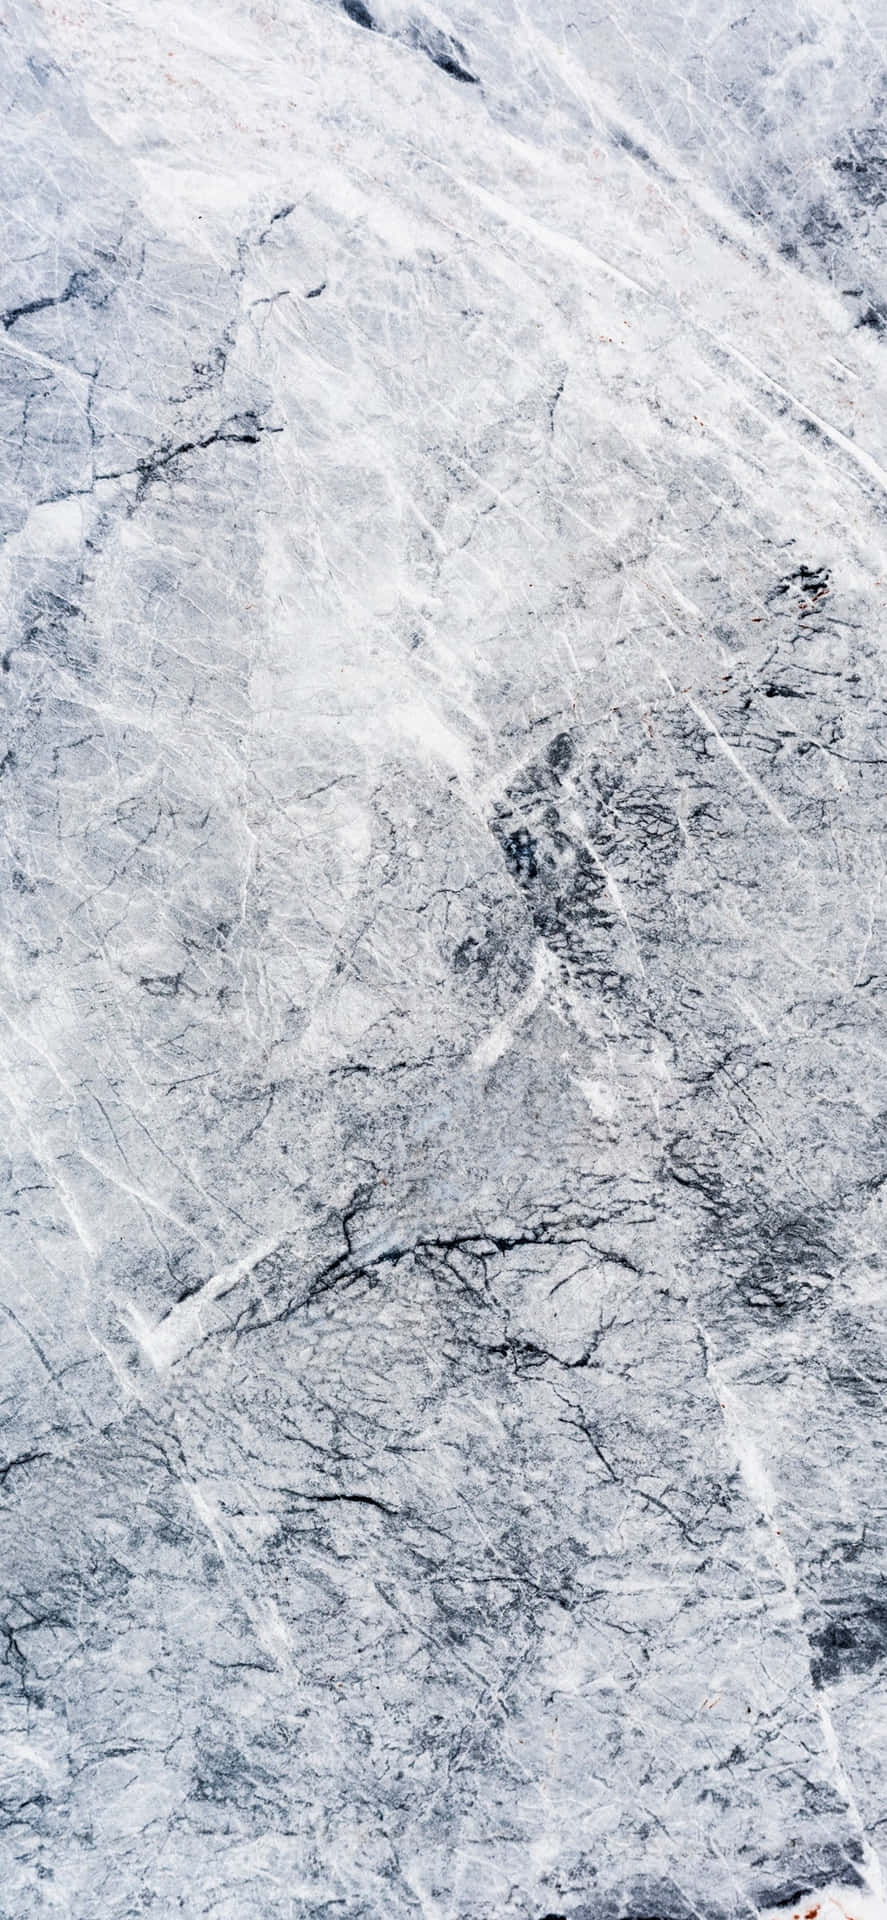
x=444, y=778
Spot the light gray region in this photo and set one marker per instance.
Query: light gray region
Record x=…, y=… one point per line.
x=444, y=778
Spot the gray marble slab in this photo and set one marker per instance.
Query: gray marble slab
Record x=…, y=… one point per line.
x=444, y=1058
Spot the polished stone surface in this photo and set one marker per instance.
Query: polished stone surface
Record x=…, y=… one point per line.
x=444, y=782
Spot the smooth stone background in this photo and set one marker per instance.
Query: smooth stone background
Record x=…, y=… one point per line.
x=444, y=782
